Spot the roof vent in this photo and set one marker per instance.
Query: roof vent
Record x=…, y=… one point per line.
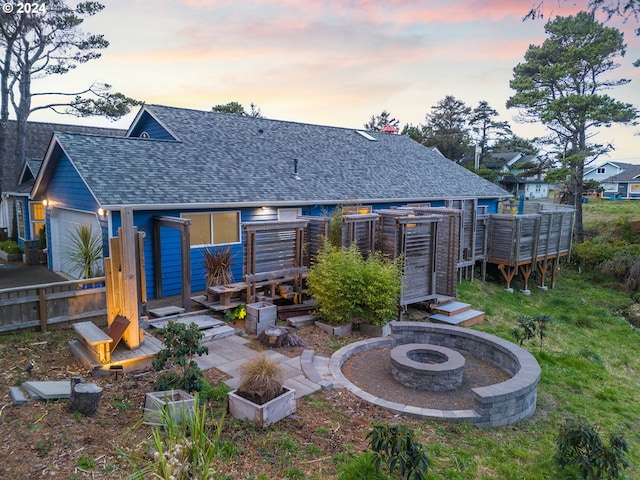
x=145, y=135
x=295, y=170
x=366, y=135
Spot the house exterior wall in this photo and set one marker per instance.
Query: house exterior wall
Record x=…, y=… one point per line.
x=536, y=190
x=602, y=172
x=170, y=241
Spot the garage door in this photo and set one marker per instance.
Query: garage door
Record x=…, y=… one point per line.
x=63, y=225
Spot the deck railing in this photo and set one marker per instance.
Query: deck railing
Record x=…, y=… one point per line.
x=47, y=304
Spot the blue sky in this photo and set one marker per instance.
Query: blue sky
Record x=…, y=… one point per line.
x=331, y=62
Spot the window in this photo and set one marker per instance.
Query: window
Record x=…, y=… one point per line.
x=601, y=170
x=353, y=209
x=20, y=219
x=289, y=214
x=37, y=219
x=215, y=228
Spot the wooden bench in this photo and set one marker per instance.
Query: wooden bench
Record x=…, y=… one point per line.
x=97, y=341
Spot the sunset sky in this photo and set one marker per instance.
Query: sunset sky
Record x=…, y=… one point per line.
x=330, y=62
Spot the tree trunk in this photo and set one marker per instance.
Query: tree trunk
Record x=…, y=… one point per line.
x=85, y=398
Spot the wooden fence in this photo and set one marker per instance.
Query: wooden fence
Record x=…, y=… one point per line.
x=47, y=304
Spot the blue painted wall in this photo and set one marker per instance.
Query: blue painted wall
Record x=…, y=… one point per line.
x=170, y=240
x=146, y=123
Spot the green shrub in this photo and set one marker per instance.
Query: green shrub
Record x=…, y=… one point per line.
x=348, y=288
x=10, y=246
x=181, y=342
x=530, y=328
x=581, y=449
x=395, y=446
x=591, y=254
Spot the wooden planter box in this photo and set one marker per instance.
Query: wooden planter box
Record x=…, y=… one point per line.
x=10, y=257
x=177, y=402
x=265, y=414
x=260, y=315
x=371, y=330
x=339, y=330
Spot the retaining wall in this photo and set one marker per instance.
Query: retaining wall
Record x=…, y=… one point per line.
x=496, y=405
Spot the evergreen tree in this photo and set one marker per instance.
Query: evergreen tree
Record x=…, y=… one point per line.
x=447, y=128
x=560, y=84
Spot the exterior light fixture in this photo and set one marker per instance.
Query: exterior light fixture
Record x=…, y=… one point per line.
x=101, y=211
x=45, y=202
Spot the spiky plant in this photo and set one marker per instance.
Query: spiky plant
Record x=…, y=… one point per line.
x=261, y=379
x=85, y=251
x=217, y=264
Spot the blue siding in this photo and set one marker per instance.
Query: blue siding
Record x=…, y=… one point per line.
x=67, y=189
x=148, y=124
x=170, y=240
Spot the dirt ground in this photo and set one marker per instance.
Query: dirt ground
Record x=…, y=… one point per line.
x=44, y=439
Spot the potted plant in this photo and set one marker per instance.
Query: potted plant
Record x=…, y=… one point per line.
x=42, y=245
x=261, y=396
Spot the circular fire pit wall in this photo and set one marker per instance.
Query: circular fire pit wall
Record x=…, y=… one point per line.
x=427, y=367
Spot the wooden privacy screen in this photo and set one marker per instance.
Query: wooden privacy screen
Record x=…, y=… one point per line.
x=417, y=240
x=273, y=253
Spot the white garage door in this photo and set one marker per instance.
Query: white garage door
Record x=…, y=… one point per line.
x=63, y=224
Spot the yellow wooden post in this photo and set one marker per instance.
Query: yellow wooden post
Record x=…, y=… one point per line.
x=129, y=286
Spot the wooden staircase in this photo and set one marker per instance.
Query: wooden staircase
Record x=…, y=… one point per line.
x=456, y=313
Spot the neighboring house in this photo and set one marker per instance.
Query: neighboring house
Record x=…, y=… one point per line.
x=13, y=215
x=219, y=170
x=604, y=171
x=624, y=185
x=530, y=189
x=512, y=166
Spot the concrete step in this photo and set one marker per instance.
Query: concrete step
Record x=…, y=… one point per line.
x=452, y=308
x=467, y=318
x=166, y=311
x=214, y=333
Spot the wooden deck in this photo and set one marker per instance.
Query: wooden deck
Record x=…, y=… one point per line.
x=122, y=358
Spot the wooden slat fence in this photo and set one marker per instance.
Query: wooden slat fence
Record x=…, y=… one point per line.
x=51, y=303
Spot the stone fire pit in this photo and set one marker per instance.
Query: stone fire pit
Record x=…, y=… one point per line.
x=427, y=367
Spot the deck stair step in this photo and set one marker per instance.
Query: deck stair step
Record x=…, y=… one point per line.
x=452, y=308
x=467, y=318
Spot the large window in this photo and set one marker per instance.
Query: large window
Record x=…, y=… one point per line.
x=37, y=219
x=215, y=228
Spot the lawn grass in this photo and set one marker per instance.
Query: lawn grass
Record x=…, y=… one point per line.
x=589, y=367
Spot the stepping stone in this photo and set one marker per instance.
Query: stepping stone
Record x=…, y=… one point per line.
x=166, y=311
x=202, y=321
x=48, y=390
x=17, y=396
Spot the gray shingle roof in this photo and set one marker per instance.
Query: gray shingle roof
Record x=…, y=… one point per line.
x=627, y=175
x=227, y=159
x=38, y=138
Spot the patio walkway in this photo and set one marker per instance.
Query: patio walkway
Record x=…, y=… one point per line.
x=228, y=353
